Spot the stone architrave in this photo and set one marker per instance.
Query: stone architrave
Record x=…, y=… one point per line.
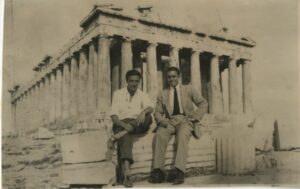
x=126, y=59
x=216, y=106
x=232, y=85
x=103, y=83
x=247, y=87
x=152, y=85
x=195, y=70
x=83, y=79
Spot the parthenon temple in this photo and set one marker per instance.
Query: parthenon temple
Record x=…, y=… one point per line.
x=82, y=77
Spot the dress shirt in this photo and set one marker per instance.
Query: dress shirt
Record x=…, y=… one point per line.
x=171, y=98
x=126, y=106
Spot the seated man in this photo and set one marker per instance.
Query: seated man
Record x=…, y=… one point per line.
x=175, y=114
x=131, y=114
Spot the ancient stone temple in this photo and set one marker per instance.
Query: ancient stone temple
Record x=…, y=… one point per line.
x=82, y=77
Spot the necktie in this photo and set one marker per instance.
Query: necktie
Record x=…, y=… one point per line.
x=176, y=109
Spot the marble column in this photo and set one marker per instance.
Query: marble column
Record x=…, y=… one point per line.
x=66, y=90
x=174, y=56
x=83, y=80
x=52, y=97
x=35, y=105
x=14, y=116
x=216, y=105
x=92, y=78
x=42, y=100
x=58, y=87
x=152, y=85
x=247, y=87
x=232, y=85
x=103, y=82
x=195, y=70
x=74, y=86
x=47, y=99
x=126, y=60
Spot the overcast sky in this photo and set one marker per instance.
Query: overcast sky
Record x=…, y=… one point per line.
x=34, y=28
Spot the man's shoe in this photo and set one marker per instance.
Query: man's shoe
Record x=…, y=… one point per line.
x=128, y=182
x=157, y=176
x=179, y=178
x=171, y=175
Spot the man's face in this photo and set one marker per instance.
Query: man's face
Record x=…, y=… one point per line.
x=133, y=82
x=173, y=78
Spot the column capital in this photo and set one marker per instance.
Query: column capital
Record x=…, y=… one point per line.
x=152, y=43
x=196, y=51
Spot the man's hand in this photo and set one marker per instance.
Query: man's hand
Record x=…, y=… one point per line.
x=141, y=118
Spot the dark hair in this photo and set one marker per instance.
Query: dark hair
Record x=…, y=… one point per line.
x=172, y=68
x=133, y=72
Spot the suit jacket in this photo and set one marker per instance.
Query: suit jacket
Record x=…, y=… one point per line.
x=189, y=98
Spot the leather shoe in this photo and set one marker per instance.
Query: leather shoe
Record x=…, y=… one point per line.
x=171, y=175
x=128, y=182
x=157, y=176
x=179, y=177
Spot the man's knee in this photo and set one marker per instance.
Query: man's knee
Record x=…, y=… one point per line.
x=161, y=133
x=184, y=132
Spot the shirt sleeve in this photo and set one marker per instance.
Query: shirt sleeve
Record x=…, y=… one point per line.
x=114, y=106
x=146, y=101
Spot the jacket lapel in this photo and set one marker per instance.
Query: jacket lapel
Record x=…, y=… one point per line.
x=182, y=97
x=167, y=100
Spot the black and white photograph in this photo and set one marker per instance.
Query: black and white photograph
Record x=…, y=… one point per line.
x=148, y=93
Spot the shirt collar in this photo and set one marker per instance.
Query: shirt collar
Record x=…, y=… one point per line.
x=177, y=87
x=127, y=92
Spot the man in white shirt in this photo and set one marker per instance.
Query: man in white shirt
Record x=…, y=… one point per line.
x=175, y=114
x=131, y=112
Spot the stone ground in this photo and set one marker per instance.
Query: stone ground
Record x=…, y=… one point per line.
x=34, y=163
x=273, y=169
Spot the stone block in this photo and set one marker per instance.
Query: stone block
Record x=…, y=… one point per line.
x=84, y=147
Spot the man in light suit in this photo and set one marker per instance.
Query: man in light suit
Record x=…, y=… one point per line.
x=175, y=114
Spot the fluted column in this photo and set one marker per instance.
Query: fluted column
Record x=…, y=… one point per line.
x=126, y=59
x=174, y=55
x=35, y=106
x=247, y=87
x=232, y=85
x=52, y=98
x=83, y=79
x=58, y=87
x=152, y=85
x=66, y=90
x=74, y=86
x=14, y=116
x=115, y=69
x=195, y=70
x=92, y=78
x=47, y=99
x=215, y=105
x=42, y=100
x=21, y=117
x=104, y=83
x=28, y=109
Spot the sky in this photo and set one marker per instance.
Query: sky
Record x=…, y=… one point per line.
x=34, y=28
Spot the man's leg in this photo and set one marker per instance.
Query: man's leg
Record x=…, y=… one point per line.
x=160, y=143
x=182, y=137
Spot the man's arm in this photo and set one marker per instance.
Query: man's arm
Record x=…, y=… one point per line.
x=201, y=104
x=159, y=112
x=116, y=121
x=141, y=117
